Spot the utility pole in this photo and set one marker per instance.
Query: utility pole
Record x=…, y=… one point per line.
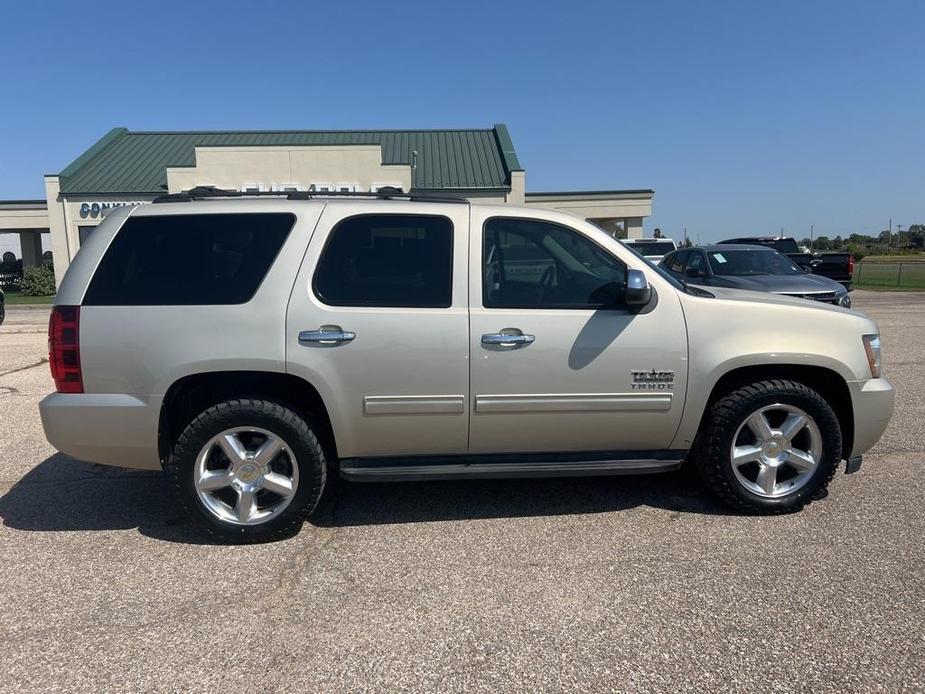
x=685, y=237
x=811, y=226
x=889, y=234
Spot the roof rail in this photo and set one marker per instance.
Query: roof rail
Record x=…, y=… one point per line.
x=385, y=193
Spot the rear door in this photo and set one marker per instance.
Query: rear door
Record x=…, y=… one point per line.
x=378, y=322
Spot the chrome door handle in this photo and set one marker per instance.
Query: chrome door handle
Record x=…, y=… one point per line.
x=506, y=340
x=326, y=335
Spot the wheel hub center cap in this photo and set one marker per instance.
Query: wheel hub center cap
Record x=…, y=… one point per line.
x=775, y=449
x=248, y=472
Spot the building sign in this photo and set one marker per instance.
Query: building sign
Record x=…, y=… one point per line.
x=92, y=210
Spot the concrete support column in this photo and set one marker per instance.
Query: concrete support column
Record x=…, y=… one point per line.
x=31, y=244
x=634, y=228
x=60, y=244
x=518, y=188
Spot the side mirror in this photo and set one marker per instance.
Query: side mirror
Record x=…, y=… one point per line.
x=638, y=291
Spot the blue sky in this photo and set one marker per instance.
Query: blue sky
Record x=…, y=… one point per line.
x=744, y=117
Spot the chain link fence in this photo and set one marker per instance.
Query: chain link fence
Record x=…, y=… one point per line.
x=890, y=275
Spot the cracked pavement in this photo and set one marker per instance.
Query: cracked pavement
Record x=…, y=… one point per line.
x=618, y=584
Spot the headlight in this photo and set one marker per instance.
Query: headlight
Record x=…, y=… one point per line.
x=845, y=301
x=872, y=347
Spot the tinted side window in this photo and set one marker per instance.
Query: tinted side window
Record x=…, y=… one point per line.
x=695, y=262
x=678, y=261
x=534, y=264
x=786, y=246
x=187, y=260
x=387, y=260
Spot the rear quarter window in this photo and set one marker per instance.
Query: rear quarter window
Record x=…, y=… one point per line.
x=184, y=260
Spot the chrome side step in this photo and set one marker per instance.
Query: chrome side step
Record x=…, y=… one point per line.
x=499, y=467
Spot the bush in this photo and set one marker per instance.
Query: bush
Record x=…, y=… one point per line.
x=38, y=281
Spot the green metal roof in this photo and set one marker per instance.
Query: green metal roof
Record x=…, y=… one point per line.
x=135, y=162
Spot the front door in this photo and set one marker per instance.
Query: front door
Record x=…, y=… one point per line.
x=559, y=362
x=378, y=322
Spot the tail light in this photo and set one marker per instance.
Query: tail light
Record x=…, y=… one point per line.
x=850, y=264
x=64, y=349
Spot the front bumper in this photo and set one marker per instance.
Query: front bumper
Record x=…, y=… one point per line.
x=872, y=403
x=108, y=429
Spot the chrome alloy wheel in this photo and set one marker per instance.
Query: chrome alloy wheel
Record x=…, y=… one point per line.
x=776, y=450
x=246, y=475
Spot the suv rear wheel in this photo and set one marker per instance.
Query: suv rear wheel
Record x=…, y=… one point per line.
x=251, y=470
x=769, y=447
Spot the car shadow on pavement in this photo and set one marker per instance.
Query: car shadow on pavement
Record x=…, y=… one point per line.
x=353, y=504
x=62, y=494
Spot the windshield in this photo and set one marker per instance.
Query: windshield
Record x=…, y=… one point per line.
x=736, y=263
x=651, y=247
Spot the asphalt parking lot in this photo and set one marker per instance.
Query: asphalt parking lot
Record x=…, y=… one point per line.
x=617, y=584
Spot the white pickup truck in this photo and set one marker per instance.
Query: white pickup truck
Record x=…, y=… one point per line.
x=652, y=249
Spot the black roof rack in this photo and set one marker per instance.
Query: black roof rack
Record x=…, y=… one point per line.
x=385, y=193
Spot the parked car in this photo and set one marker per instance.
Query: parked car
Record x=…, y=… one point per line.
x=651, y=249
x=252, y=346
x=755, y=268
x=838, y=266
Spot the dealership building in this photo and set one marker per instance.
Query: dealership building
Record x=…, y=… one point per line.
x=129, y=168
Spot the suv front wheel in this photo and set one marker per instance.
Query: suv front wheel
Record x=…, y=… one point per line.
x=251, y=470
x=769, y=447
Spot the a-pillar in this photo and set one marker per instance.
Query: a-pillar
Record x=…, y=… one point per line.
x=612, y=225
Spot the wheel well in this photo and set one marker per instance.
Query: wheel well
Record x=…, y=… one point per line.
x=191, y=395
x=829, y=384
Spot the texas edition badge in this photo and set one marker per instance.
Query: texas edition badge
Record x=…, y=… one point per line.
x=653, y=380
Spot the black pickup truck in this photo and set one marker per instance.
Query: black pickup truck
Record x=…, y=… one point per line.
x=837, y=266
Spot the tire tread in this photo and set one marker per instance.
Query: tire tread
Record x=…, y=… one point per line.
x=710, y=453
x=314, y=471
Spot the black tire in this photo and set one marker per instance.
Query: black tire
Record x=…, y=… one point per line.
x=712, y=450
x=2, y=312
x=306, y=449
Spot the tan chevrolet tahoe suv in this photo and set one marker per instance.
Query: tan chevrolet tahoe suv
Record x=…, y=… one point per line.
x=252, y=347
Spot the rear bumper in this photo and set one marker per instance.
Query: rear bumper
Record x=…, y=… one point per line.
x=872, y=402
x=108, y=429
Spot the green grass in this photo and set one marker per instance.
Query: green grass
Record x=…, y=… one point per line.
x=17, y=299
x=878, y=288
x=909, y=276
x=910, y=258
